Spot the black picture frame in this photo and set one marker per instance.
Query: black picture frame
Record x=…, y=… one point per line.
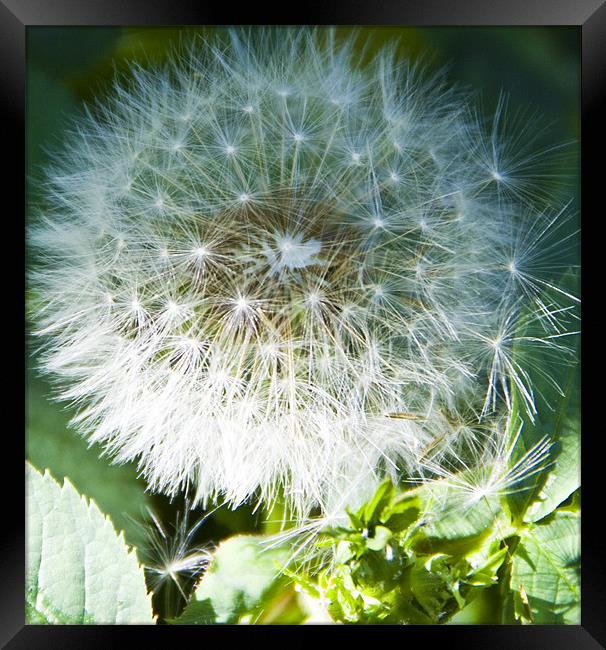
x=589, y=16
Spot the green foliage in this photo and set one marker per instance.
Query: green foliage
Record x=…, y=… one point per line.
x=79, y=570
x=565, y=475
x=243, y=577
x=545, y=576
x=385, y=571
x=456, y=528
x=556, y=388
x=563, y=480
x=395, y=564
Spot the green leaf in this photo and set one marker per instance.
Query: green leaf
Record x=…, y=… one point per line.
x=243, y=576
x=370, y=513
x=545, y=578
x=486, y=574
x=564, y=476
x=51, y=444
x=478, y=611
x=79, y=570
x=402, y=513
x=379, y=540
x=462, y=529
x=558, y=417
x=430, y=588
x=573, y=503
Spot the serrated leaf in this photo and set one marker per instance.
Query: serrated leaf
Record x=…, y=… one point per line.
x=545, y=577
x=78, y=569
x=243, y=576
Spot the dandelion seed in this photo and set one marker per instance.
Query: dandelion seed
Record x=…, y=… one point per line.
x=378, y=223
x=493, y=472
x=172, y=560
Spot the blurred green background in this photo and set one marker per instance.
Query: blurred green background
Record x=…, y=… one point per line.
x=537, y=67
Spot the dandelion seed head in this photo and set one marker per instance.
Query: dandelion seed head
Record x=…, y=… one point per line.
x=298, y=272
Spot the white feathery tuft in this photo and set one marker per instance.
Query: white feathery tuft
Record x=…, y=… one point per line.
x=267, y=269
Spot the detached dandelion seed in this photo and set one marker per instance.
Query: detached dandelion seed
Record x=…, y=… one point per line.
x=172, y=560
x=256, y=255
